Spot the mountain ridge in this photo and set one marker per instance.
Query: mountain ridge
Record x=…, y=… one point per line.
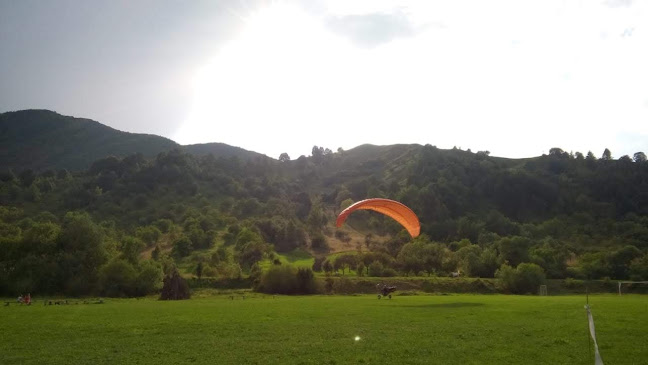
x=42, y=139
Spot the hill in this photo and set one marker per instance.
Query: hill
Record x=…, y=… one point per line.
x=222, y=150
x=42, y=139
x=568, y=216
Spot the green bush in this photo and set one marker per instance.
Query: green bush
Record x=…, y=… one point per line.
x=573, y=283
x=389, y=272
x=360, y=269
x=376, y=269
x=306, y=281
x=526, y=278
x=149, y=278
x=117, y=278
x=319, y=243
x=530, y=277
x=285, y=279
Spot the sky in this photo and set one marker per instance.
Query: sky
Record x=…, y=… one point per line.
x=515, y=77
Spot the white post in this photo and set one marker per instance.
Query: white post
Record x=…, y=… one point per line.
x=619, y=288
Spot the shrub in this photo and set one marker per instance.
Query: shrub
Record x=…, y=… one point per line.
x=639, y=268
x=285, y=279
x=530, y=277
x=524, y=279
x=149, y=278
x=317, y=265
x=117, y=278
x=342, y=236
x=182, y=247
x=306, y=281
x=376, y=269
x=573, y=283
x=360, y=269
x=389, y=272
x=344, y=286
x=319, y=243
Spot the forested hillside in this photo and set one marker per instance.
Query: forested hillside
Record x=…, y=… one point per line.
x=41, y=139
x=115, y=227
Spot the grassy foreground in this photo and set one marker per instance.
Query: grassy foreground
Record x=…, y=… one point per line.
x=455, y=329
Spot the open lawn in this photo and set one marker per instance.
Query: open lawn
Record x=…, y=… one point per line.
x=426, y=329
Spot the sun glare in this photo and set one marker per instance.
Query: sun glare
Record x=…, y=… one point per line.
x=288, y=82
x=281, y=68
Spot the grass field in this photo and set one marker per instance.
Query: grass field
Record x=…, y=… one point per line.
x=214, y=329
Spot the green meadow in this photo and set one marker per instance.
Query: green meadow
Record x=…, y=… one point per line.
x=258, y=329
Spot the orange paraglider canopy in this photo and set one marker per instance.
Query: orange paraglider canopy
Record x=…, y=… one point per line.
x=398, y=211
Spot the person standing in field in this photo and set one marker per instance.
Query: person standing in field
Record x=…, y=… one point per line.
x=28, y=299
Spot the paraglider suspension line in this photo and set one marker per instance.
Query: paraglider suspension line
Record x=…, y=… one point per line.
x=589, y=339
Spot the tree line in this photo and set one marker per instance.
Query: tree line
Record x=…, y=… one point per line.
x=132, y=220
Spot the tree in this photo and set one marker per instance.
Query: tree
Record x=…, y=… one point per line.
x=620, y=260
x=558, y=152
x=117, y=278
x=155, y=254
x=319, y=242
x=316, y=217
x=590, y=156
x=530, y=277
x=625, y=159
x=639, y=157
x=149, y=278
x=285, y=279
x=131, y=248
x=526, y=278
x=607, y=155
x=638, y=268
x=284, y=157
x=317, y=264
x=594, y=265
x=199, y=270
x=411, y=257
x=149, y=235
x=317, y=153
x=470, y=260
x=182, y=247
x=306, y=283
x=27, y=177
x=376, y=269
x=82, y=243
x=327, y=267
x=360, y=269
x=514, y=250
x=345, y=261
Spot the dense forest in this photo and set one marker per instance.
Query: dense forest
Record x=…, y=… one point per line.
x=120, y=225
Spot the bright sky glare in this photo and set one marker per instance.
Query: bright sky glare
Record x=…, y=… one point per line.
x=512, y=77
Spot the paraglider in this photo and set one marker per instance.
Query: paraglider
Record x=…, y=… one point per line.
x=398, y=211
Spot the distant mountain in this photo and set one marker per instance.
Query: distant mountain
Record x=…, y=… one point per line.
x=43, y=139
x=221, y=150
